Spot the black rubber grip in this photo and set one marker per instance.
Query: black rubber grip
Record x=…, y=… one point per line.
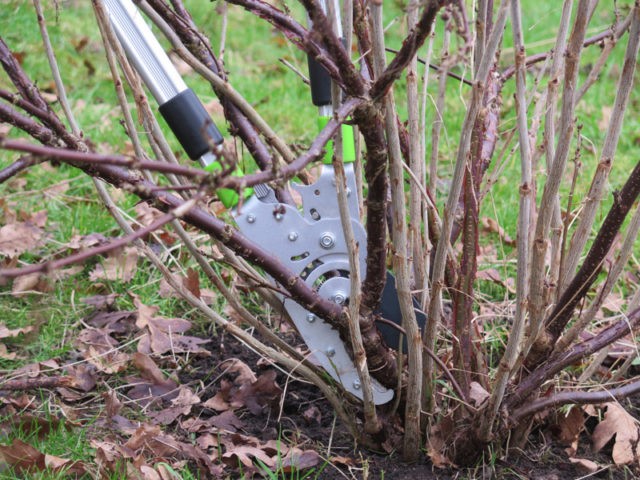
x=191, y=124
x=320, y=83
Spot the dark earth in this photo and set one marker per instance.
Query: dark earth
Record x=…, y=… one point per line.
x=543, y=458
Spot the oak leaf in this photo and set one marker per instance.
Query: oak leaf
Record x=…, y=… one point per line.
x=617, y=421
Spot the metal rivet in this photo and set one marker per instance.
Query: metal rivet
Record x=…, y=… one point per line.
x=278, y=216
x=339, y=298
x=327, y=241
x=293, y=236
x=311, y=317
x=251, y=218
x=330, y=351
x=356, y=384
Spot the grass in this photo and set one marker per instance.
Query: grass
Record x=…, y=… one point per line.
x=252, y=56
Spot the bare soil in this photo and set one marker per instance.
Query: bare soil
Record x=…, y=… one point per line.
x=288, y=419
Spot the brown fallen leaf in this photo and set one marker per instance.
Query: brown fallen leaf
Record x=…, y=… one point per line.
x=80, y=242
x=312, y=415
x=217, y=402
x=297, y=459
x=617, y=421
x=492, y=226
x=569, y=428
x=120, y=265
x=82, y=377
x=22, y=457
x=180, y=405
x=245, y=374
x=146, y=215
x=20, y=237
x=13, y=332
x=101, y=302
x=191, y=282
x=121, y=322
x=477, y=394
x=31, y=283
x=4, y=353
x=101, y=350
x=152, y=387
x=165, y=334
x=246, y=455
x=588, y=466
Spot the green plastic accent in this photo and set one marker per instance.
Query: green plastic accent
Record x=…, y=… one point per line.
x=348, y=143
x=228, y=196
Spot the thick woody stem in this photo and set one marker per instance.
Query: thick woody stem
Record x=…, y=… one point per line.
x=555, y=174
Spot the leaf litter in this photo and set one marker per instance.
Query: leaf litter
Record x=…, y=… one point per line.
x=148, y=417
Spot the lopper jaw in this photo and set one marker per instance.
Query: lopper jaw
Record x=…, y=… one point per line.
x=312, y=244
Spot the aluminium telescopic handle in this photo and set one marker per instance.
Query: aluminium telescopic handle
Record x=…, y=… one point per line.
x=179, y=105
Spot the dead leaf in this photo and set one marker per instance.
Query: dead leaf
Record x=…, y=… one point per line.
x=101, y=302
x=227, y=421
x=22, y=457
x=120, y=265
x=121, y=322
x=191, y=282
x=477, y=394
x=245, y=374
x=10, y=333
x=492, y=226
x=82, y=377
x=81, y=242
x=19, y=237
x=617, y=421
x=246, y=454
x=146, y=215
x=570, y=426
x=4, y=353
x=298, y=459
x=153, y=387
x=181, y=405
x=438, y=441
x=101, y=350
x=312, y=415
x=30, y=283
x=588, y=466
x=217, y=402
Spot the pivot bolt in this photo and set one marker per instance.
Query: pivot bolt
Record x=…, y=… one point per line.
x=327, y=241
x=356, y=384
x=339, y=298
x=251, y=218
x=311, y=317
x=293, y=236
x=330, y=351
x=278, y=216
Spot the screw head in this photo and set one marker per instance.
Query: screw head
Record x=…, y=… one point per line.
x=356, y=384
x=330, y=351
x=311, y=317
x=293, y=236
x=327, y=241
x=339, y=298
x=251, y=218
